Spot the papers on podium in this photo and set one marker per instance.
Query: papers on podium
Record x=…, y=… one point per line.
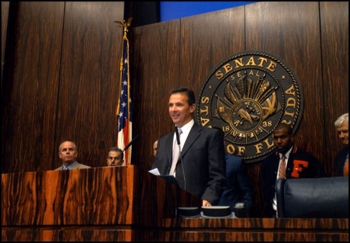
x=169, y=178
x=154, y=172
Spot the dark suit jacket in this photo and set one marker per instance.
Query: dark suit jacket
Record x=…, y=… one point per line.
x=301, y=164
x=201, y=171
x=340, y=160
x=238, y=185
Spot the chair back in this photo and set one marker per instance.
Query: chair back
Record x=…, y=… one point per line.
x=326, y=197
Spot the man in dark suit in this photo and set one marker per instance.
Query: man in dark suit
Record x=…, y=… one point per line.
x=287, y=162
x=238, y=185
x=199, y=168
x=342, y=158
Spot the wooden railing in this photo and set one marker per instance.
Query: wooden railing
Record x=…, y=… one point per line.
x=130, y=204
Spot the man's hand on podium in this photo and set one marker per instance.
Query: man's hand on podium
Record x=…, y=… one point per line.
x=205, y=203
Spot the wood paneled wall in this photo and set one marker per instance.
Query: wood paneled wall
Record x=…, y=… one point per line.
x=62, y=83
x=63, y=74
x=312, y=37
x=4, y=23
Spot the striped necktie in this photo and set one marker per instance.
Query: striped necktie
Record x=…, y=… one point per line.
x=346, y=168
x=282, y=168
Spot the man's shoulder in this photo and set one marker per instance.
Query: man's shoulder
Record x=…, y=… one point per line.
x=164, y=137
x=342, y=152
x=59, y=168
x=208, y=130
x=300, y=151
x=272, y=156
x=305, y=155
x=80, y=166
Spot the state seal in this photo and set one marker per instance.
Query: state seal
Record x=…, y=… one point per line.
x=247, y=96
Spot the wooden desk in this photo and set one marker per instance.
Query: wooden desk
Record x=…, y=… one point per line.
x=98, y=196
x=128, y=204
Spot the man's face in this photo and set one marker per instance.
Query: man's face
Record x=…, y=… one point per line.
x=68, y=152
x=282, y=140
x=114, y=158
x=343, y=133
x=155, y=147
x=179, y=109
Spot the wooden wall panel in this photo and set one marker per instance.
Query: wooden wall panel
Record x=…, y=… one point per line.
x=335, y=60
x=292, y=33
x=89, y=87
x=5, y=6
x=154, y=71
x=206, y=41
x=290, y=30
x=31, y=89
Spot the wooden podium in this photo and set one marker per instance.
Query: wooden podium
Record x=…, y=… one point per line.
x=130, y=204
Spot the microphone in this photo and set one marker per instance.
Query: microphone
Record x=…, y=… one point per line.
x=178, y=143
x=177, y=137
x=133, y=140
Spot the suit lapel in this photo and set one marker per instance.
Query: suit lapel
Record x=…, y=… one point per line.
x=192, y=136
x=169, y=148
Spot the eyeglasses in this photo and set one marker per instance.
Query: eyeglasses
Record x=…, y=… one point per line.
x=115, y=158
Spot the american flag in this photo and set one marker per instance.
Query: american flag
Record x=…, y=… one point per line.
x=124, y=105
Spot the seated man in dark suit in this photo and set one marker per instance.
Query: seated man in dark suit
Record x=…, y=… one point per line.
x=198, y=161
x=68, y=153
x=238, y=185
x=342, y=158
x=287, y=162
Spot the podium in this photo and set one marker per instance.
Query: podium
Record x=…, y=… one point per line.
x=130, y=204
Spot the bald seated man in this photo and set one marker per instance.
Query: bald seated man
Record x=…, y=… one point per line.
x=68, y=153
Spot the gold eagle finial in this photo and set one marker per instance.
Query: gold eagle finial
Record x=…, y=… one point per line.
x=124, y=24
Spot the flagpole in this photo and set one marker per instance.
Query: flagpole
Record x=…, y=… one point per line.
x=124, y=25
x=123, y=112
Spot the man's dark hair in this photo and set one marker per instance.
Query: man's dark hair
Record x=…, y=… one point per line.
x=116, y=149
x=188, y=92
x=283, y=125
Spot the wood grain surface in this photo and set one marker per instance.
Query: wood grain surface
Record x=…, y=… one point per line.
x=98, y=196
x=335, y=70
x=221, y=230
x=155, y=72
x=31, y=89
x=89, y=79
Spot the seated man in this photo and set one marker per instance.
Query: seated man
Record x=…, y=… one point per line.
x=342, y=158
x=155, y=147
x=115, y=157
x=287, y=162
x=238, y=185
x=68, y=153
